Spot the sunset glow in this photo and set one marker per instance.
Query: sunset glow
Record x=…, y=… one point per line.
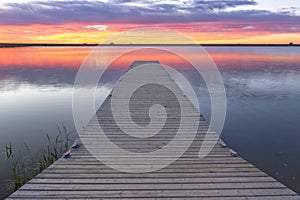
x=211, y=22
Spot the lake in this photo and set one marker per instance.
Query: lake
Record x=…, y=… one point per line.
x=262, y=86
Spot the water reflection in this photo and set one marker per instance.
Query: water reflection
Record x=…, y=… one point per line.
x=262, y=84
x=43, y=57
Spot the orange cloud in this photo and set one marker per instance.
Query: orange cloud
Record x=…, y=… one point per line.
x=210, y=33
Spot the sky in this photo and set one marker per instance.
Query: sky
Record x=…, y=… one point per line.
x=205, y=21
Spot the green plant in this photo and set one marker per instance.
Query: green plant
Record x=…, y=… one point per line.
x=8, y=150
x=25, y=168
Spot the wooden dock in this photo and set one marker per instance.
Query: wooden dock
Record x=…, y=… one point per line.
x=218, y=176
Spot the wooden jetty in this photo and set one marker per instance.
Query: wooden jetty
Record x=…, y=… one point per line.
x=218, y=176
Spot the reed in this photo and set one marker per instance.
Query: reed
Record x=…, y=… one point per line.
x=24, y=168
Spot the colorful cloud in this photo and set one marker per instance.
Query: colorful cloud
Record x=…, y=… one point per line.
x=208, y=21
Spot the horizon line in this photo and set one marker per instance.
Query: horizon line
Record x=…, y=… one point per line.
x=123, y=44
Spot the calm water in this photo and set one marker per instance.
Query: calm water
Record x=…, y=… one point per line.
x=262, y=84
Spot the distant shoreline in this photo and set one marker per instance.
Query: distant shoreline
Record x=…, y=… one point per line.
x=3, y=45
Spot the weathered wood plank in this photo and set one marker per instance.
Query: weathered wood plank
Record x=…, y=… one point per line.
x=157, y=193
x=151, y=180
x=149, y=186
x=281, y=197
